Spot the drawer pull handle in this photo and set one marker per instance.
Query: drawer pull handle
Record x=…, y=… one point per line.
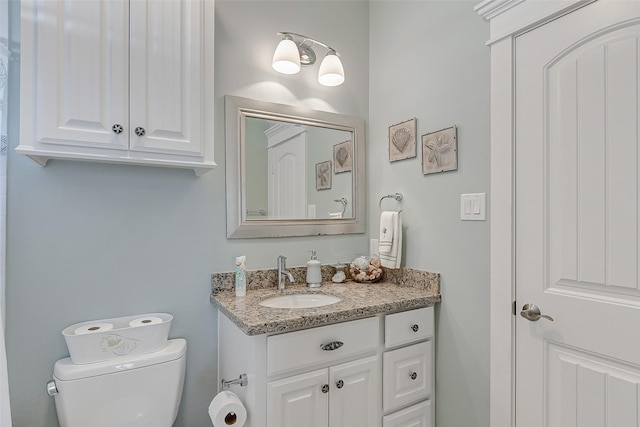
x=413, y=375
x=332, y=346
x=415, y=328
x=325, y=388
x=339, y=383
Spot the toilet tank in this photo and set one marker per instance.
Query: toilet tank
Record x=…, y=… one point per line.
x=140, y=390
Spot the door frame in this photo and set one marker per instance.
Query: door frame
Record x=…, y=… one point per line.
x=507, y=20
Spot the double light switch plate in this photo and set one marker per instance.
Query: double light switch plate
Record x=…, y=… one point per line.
x=473, y=207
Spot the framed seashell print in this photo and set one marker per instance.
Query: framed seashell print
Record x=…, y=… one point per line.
x=342, y=157
x=402, y=140
x=440, y=151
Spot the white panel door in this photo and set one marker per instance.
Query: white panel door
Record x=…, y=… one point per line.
x=302, y=400
x=84, y=47
x=577, y=219
x=167, y=76
x=354, y=399
x=287, y=186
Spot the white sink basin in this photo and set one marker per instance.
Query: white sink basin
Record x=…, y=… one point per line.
x=299, y=301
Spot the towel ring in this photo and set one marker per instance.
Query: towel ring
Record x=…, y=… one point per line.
x=397, y=196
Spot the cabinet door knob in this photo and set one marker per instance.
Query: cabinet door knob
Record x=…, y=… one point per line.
x=332, y=346
x=413, y=375
x=415, y=328
x=325, y=388
x=339, y=383
x=140, y=131
x=117, y=128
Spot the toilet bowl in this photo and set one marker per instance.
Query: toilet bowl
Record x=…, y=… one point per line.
x=140, y=390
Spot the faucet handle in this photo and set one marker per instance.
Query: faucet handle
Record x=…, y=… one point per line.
x=282, y=261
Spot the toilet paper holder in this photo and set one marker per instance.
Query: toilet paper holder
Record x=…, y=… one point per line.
x=242, y=380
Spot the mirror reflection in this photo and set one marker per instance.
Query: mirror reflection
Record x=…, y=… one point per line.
x=296, y=171
x=292, y=171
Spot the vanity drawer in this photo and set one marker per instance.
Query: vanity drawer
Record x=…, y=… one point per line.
x=408, y=326
x=407, y=375
x=418, y=415
x=310, y=347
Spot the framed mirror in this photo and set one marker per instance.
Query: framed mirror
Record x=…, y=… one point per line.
x=292, y=171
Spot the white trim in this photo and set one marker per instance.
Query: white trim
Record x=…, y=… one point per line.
x=508, y=19
x=502, y=232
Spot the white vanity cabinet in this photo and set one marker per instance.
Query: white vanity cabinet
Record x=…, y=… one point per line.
x=118, y=81
x=372, y=372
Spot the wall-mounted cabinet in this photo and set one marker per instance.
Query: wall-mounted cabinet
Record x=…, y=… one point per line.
x=124, y=82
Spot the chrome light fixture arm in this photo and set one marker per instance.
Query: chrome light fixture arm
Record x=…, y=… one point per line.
x=305, y=39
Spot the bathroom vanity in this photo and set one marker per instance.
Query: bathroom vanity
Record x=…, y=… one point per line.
x=366, y=360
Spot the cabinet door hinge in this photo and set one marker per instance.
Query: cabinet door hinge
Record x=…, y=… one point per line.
x=513, y=308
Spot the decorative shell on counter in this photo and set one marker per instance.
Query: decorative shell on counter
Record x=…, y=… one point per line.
x=364, y=270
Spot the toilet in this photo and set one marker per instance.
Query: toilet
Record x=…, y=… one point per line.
x=140, y=390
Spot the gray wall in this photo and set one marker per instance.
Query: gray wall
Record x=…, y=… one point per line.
x=89, y=241
x=428, y=60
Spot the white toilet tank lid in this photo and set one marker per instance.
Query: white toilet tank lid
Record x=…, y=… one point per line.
x=65, y=370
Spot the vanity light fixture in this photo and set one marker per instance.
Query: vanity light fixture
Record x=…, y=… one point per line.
x=290, y=55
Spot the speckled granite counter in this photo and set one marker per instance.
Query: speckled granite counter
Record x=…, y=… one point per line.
x=410, y=289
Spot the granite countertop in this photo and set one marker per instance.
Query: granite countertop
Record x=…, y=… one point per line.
x=358, y=300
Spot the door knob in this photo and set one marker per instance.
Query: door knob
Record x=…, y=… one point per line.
x=532, y=312
x=140, y=131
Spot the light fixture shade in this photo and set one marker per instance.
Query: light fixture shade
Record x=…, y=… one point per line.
x=286, y=59
x=331, y=71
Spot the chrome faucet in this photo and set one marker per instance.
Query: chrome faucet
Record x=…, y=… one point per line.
x=282, y=270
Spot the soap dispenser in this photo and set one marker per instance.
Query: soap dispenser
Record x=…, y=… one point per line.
x=314, y=275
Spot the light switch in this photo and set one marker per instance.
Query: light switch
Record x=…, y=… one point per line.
x=467, y=206
x=472, y=207
x=476, y=207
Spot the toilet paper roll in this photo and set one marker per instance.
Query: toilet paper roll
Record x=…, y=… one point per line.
x=93, y=328
x=141, y=321
x=226, y=409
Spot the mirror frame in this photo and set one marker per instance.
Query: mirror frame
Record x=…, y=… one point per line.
x=238, y=227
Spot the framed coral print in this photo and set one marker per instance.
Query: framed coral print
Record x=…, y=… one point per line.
x=440, y=151
x=402, y=140
x=323, y=175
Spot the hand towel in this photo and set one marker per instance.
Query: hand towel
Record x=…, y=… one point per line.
x=393, y=258
x=386, y=232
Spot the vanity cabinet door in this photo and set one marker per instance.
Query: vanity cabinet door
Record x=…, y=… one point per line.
x=301, y=400
x=354, y=399
x=407, y=375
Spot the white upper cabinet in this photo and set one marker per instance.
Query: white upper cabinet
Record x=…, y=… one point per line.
x=118, y=81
